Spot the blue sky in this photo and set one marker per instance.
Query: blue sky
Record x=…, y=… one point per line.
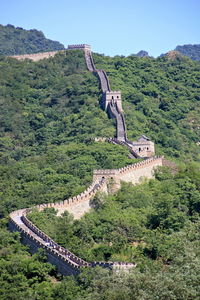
x=112, y=27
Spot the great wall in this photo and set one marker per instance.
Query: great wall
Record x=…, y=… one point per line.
x=66, y=262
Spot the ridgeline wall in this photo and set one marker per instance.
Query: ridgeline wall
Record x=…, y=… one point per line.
x=66, y=262
x=36, y=56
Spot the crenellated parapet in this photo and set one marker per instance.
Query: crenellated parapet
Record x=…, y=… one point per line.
x=132, y=173
x=66, y=262
x=80, y=47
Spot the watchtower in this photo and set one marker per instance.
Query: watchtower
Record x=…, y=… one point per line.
x=114, y=96
x=144, y=147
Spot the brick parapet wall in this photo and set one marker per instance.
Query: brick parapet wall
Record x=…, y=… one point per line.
x=154, y=161
x=80, y=46
x=36, y=56
x=117, y=172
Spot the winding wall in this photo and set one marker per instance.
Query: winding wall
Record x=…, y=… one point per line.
x=66, y=262
x=114, y=107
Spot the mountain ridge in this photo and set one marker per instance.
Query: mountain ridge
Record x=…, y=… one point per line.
x=16, y=40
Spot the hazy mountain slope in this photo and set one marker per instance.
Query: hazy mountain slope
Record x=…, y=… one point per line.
x=192, y=51
x=20, y=41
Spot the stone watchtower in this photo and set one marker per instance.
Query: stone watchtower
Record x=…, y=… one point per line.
x=144, y=147
x=112, y=96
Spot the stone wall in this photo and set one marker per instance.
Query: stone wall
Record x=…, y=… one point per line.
x=134, y=173
x=104, y=85
x=42, y=55
x=66, y=262
x=37, y=56
x=145, y=169
x=53, y=256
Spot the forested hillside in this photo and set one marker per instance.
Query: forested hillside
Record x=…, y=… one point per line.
x=17, y=40
x=49, y=116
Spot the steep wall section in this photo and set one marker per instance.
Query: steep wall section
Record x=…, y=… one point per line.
x=121, y=126
x=89, y=60
x=104, y=82
x=111, y=100
x=107, y=96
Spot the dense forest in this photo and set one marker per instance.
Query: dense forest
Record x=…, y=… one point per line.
x=192, y=51
x=49, y=117
x=17, y=40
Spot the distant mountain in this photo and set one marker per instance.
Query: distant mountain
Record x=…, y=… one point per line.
x=141, y=53
x=172, y=55
x=192, y=51
x=20, y=41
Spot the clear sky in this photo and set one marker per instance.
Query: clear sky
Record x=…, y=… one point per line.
x=112, y=27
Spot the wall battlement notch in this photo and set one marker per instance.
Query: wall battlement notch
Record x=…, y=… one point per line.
x=80, y=46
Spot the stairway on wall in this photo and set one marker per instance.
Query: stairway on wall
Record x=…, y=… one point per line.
x=105, y=86
x=121, y=130
x=89, y=61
